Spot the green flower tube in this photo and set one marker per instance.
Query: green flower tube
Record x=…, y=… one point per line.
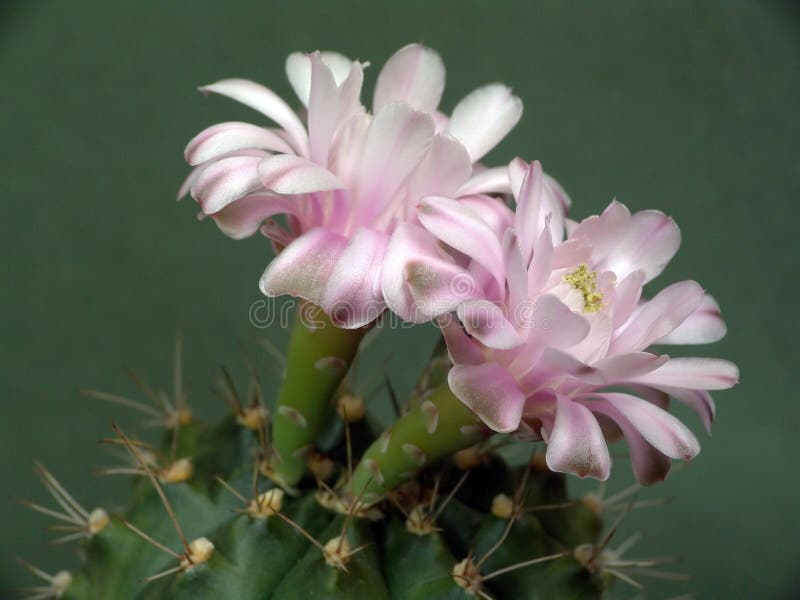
x=438, y=427
x=317, y=359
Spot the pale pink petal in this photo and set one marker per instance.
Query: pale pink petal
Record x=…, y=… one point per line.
x=289, y=174
x=703, y=326
x=462, y=228
x=694, y=374
x=226, y=180
x=529, y=219
x=576, y=444
x=411, y=244
x=225, y=138
x=657, y=317
x=651, y=242
x=487, y=322
x=445, y=167
x=463, y=349
x=490, y=392
x=516, y=275
x=662, y=430
x=243, y=218
x=551, y=323
x=556, y=190
x=302, y=268
x=516, y=171
x=352, y=295
x=623, y=367
x=541, y=265
x=397, y=140
x=268, y=103
x=605, y=232
x=628, y=293
x=298, y=70
x=649, y=465
x=699, y=401
x=347, y=148
x=323, y=110
x=493, y=211
x=487, y=181
x=484, y=117
x=438, y=286
x=414, y=75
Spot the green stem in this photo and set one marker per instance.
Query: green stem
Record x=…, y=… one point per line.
x=317, y=360
x=440, y=426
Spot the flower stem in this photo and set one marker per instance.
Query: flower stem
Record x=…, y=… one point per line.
x=317, y=360
x=438, y=427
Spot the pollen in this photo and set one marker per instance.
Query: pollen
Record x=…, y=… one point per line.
x=585, y=281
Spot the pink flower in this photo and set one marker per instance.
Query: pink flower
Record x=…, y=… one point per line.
x=553, y=337
x=344, y=179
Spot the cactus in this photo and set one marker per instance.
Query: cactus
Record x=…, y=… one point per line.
x=425, y=509
x=546, y=337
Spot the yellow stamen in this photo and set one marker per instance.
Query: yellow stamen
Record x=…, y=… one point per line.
x=585, y=281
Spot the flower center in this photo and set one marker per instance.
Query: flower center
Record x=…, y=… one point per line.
x=585, y=281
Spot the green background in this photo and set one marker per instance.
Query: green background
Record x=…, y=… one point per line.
x=690, y=107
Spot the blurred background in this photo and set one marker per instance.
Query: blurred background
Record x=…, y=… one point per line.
x=689, y=107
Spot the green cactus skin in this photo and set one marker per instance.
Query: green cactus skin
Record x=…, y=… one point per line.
x=318, y=357
x=438, y=427
x=447, y=527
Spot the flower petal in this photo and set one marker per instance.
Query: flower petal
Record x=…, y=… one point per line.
x=463, y=349
x=397, y=140
x=628, y=292
x=576, y=444
x=703, y=326
x=289, y=174
x=529, y=219
x=487, y=322
x=490, y=392
x=302, y=268
x=462, y=228
x=699, y=401
x=487, y=181
x=243, y=218
x=268, y=103
x=445, y=167
x=652, y=240
x=661, y=429
x=693, y=373
x=484, y=117
x=226, y=180
x=352, y=295
x=298, y=70
x=223, y=138
x=414, y=75
x=649, y=465
x=657, y=317
x=411, y=244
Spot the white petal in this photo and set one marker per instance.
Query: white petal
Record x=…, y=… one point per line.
x=268, y=103
x=298, y=70
x=414, y=75
x=302, y=268
x=484, y=117
x=289, y=174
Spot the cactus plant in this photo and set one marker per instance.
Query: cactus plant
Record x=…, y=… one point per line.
x=206, y=519
x=547, y=343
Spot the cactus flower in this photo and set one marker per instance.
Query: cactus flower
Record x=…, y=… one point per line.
x=345, y=177
x=553, y=337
